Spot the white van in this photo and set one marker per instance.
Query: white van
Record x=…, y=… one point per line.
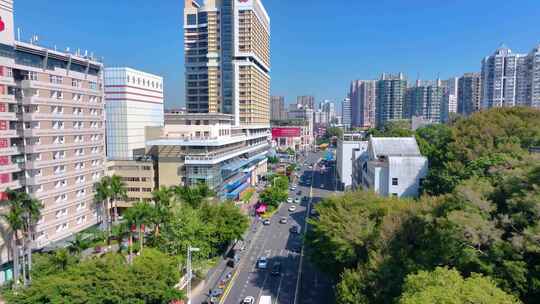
x=265, y=300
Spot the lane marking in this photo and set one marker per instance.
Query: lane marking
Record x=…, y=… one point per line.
x=296, y=291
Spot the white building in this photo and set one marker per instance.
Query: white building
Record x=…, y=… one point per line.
x=134, y=101
x=394, y=166
x=349, y=148
x=346, y=113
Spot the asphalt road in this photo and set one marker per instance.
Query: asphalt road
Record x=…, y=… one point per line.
x=277, y=243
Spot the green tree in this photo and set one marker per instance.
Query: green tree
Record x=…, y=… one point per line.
x=399, y=128
x=118, y=192
x=163, y=202
x=139, y=215
x=226, y=221
x=273, y=196
x=103, y=200
x=14, y=219
x=447, y=286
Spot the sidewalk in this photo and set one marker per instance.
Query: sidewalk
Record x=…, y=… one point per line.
x=199, y=293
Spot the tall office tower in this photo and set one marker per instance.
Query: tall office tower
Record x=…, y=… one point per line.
x=277, y=108
x=469, y=93
x=346, y=113
x=134, y=100
x=306, y=101
x=391, y=91
x=329, y=111
x=363, y=95
x=424, y=100
x=504, y=79
x=52, y=133
x=227, y=59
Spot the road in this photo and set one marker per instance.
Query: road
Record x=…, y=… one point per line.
x=280, y=245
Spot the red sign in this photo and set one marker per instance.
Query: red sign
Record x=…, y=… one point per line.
x=2, y=25
x=4, y=178
x=4, y=160
x=3, y=125
x=286, y=132
x=3, y=143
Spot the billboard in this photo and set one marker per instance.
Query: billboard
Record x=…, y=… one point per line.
x=286, y=132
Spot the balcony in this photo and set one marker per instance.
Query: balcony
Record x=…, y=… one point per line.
x=216, y=158
x=35, y=84
x=37, y=100
x=5, y=80
x=9, y=133
x=64, y=131
x=16, y=184
x=65, y=161
x=37, y=148
x=14, y=150
x=12, y=168
x=10, y=116
x=63, y=116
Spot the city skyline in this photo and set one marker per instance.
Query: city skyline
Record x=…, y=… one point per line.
x=436, y=52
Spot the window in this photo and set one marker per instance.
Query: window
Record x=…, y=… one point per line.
x=61, y=213
x=81, y=206
x=92, y=85
x=191, y=19
x=81, y=220
x=61, y=227
x=32, y=75
x=76, y=83
x=55, y=79
x=394, y=182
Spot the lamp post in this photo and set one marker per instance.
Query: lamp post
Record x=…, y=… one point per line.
x=189, y=271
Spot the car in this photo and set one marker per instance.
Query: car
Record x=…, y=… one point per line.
x=283, y=220
x=216, y=292
x=262, y=263
x=295, y=229
x=292, y=208
x=297, y=200
x=266, y=222
x=248, y=300
x=276, y=269
x=310, y=167
x=289, y=200
x=299, y=192
x=293, y=188
x=296, y=249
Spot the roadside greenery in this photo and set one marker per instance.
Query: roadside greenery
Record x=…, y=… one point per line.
x=277, y=192
x=159, y=231
x=473, y=237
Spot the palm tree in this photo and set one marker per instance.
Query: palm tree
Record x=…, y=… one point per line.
x=103, y=195
x=141, y=214
x=15, y=221
x=23, y=215
x=31, y=212
x=162, y=199
x=118, y=192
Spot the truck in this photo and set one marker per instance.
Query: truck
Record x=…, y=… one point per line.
x=265, y=300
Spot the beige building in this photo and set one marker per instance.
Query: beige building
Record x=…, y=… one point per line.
x=51, y=133
x=194, y=148
x=138, y=177
x=227, y=58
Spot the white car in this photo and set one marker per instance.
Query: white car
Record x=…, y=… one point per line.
x=262, y=263
x=293, y=188
x=289, y=200
x=249, y=300
x=292, y=208
x=297, y=200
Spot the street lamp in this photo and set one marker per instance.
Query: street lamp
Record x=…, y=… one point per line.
x=189, y=271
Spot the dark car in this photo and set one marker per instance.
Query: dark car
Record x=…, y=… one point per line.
x=296, y=249
x=295, y=229
x=230, y=263
x=276, y=268
x=216, y=292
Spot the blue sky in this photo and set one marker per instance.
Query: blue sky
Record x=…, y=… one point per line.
x=318, y=46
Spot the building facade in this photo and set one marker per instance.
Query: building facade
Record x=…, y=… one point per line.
x=227, y=59
x=307, y=102
x=363, y=95
x=425, y=100
x=52, y=133
x=346, y=113
x=277, y=108
x=469, y=93
x=349, y=148
x=207, y=148
x=393, y=167
x=138, y=176
x=391, y=93
x=134, y=100
x=510, y=79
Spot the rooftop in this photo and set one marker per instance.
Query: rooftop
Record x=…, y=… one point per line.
x=395, y=146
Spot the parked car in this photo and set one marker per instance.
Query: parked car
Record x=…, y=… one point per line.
x=262, y=263
x=292, y=208
x=295, y=229
x=283, y=220
x=216, y=292
x=266, y=222
x=290, y=200
x=297, y=200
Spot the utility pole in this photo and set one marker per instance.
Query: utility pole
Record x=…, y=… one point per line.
x=189, y=271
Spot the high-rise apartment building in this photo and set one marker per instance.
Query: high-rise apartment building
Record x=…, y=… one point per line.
x=391, y=91
x=329, y=111
x=469, y=93
x=306, y=101
x=277, y=108
x=227, y=59
x=52, y=133
x=363, y=95
x=346, y=113
x=425, y=100
x=134, y=100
